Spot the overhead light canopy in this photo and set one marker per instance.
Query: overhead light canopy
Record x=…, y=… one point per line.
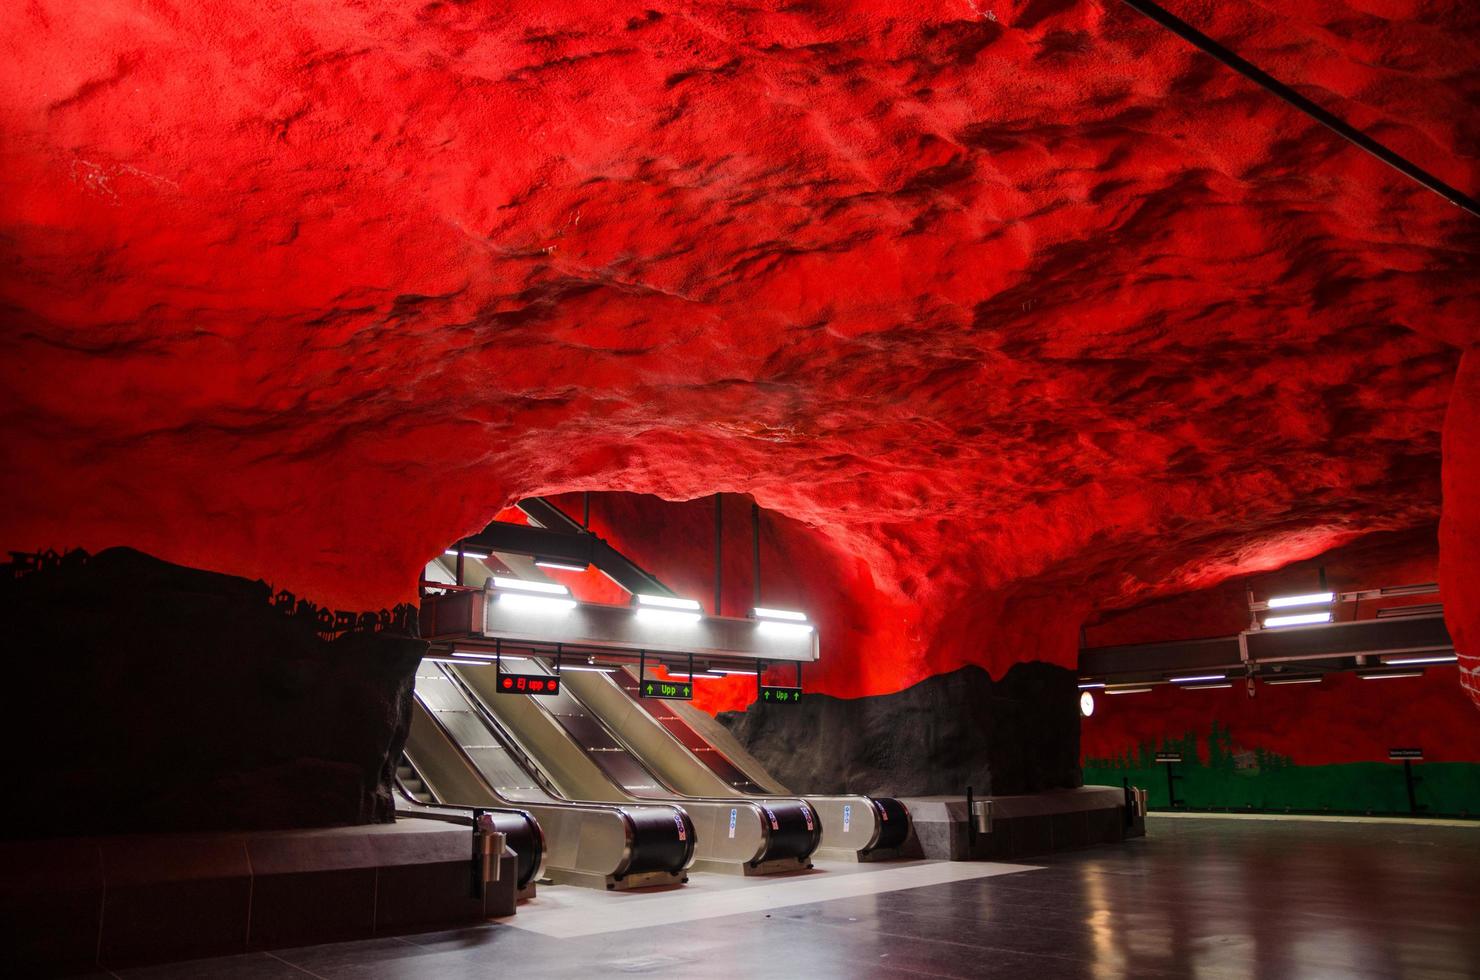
x=522, y=585
x=563, y=566
x=1297, y=619
x=1309, y=599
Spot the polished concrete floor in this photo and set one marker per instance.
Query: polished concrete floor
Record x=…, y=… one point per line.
x=1204, y=897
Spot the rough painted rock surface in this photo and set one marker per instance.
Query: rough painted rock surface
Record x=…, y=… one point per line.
x=1019, y=734
x=1026, y=308
x=150, y=697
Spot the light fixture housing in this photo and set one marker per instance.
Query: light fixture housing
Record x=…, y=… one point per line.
x=480, y=555
x=1198, y=678
x=1421, y=658
x=667, y=602
x=1207, y=687
x=1090, y=685
x=588, y=669
x=1379, y=675
x=535, y=603
x=789, y=615
x=668, y=609
x=1314, y=679
x=563, y=566
x=483, y=658
x=1297, y=619
x=1127, y=690
x=1309, y=599
x=523, y=585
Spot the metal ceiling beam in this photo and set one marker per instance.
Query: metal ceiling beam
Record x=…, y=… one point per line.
x=560, y=538
x=1371, y=638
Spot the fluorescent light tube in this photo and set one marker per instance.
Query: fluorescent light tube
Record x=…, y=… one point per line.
x=668, y=602
x=457, y=663
x=1309, y=599
x=1089, y=685
x=670, y=617
x=1206, y=687
x=520, y=585
x=564, y=566
x=1292, y=680
x=743, y=673
x=1382, y=675
x=1195, y=678
x=1299, y=619
x=480, y=555
x=586, y=669
x=697, y=675
x=536, y=603
x=782, y=629
x=762, y=612
x=1428, y=658
x=484, y=657
x=1127, y=690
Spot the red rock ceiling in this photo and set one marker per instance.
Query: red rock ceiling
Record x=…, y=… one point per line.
x=1027, y=303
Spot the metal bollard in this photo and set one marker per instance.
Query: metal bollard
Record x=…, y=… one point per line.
x=981, y=816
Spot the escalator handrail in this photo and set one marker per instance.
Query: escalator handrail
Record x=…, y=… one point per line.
x=429, y=810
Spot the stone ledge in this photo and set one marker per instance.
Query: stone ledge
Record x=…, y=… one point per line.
x=77, y=903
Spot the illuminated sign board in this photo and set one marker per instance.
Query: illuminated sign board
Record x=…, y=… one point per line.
x=781, y=695
x=1406, y=754
x=1169, y=757
x=527, y=684
x=668, y=690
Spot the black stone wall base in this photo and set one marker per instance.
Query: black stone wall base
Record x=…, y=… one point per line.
x=949, y=732
x=148, y=697
x=76, y=904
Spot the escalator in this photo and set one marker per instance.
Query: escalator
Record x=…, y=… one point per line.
x=853, y=826
x=460, y=754
x=525, y=837
x=583, y=759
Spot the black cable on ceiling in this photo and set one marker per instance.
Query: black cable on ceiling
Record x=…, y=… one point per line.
x=1338, y=126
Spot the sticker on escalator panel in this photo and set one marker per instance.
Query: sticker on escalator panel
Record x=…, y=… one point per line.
x=732, y=823
x=683, y=833
x=847, y=816
x=807, y=812
x=771, y=816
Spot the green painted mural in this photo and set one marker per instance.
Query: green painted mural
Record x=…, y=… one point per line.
x=1217, y=772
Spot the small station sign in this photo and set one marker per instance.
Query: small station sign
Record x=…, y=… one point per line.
x=527, y=684
x=781, y=695
x=668, y=690
x=1401, y=755
x=1169, y=757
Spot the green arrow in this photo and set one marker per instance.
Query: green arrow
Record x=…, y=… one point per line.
x=688, y=691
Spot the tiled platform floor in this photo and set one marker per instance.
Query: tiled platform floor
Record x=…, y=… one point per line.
x=1197, y=897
